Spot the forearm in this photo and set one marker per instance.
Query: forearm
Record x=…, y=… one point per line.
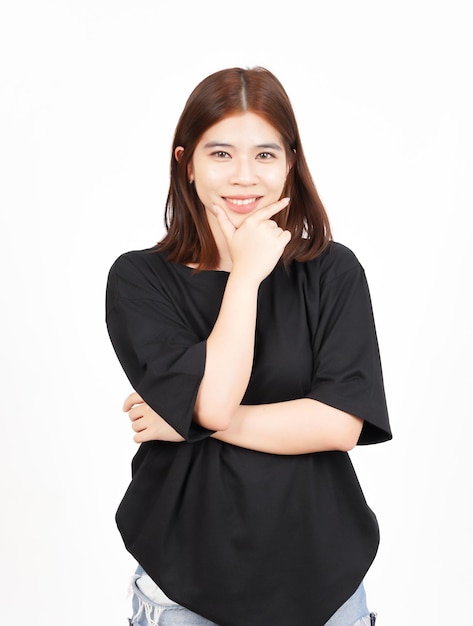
x=229, y=355
x=294, y=427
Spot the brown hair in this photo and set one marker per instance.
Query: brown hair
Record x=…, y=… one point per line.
x=224, y=93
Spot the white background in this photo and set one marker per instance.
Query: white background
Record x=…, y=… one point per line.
x=90, y=92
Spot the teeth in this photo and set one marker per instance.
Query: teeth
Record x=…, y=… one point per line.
x=241, y=202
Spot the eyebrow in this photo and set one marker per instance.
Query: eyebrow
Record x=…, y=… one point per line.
x=262, y=146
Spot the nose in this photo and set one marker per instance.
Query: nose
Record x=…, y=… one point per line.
x=243, y=172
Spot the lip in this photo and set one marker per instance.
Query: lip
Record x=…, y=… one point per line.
x=241, y=204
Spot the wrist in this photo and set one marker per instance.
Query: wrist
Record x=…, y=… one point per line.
x=244, y=278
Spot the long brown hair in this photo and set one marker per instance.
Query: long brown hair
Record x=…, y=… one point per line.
x=224, y=93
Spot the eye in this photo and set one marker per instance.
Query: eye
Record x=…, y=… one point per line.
x=265, y=156
x=221, y=154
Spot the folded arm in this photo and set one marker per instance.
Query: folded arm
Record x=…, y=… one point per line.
x=294, y=427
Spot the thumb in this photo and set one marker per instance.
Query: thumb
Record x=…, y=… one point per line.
x=133, y=398
x=227, y=228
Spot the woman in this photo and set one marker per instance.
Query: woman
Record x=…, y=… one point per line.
x=248, y=336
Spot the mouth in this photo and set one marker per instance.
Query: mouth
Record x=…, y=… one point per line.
x=240, y=204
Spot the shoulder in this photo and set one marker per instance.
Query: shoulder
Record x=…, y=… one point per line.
x=136, y=273
x=336, y=260
x=140, y=259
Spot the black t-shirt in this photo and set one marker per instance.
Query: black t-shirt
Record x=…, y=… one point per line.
x=241, y=537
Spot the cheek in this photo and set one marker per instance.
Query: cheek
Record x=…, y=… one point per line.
x=276, y=179
x=207, y=184
x=207, y=178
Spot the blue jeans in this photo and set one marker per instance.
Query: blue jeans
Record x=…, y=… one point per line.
x=147, y=612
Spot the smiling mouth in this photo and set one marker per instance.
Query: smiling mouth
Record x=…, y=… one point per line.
x=242, y=202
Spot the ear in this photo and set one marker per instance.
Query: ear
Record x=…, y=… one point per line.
x=178, y=152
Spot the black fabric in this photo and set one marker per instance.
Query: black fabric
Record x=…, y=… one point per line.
x=246, y=538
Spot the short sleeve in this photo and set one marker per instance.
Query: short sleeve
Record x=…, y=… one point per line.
x=161, y=356
x=347, y=367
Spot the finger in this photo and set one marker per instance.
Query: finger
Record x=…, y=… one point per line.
x=133, y=398
x=265, y=213
x=143, y=434
x=135, y=413
x=226, y=226
x=139, y=425
x=140, y=437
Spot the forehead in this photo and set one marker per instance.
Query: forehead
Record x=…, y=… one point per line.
x=245, y=128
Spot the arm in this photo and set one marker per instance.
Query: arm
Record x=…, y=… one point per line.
x=353, y=384
x=195, y=385
x=255, y=248
x=294, y=427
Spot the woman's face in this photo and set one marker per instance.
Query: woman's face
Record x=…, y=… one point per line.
x=239, y=164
